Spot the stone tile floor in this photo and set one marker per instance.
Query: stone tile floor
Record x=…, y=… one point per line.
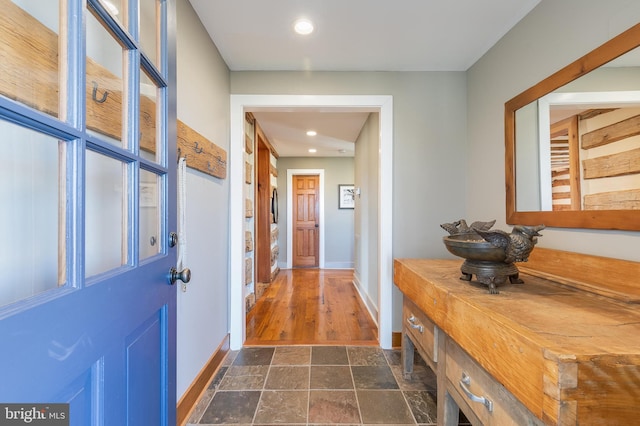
x=318, y=385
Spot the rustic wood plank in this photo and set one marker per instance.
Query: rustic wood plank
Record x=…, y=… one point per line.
x=248, y=208
x=620, y=164
x=29, y=70
x=248, y=144
x=614, y=278
x=106, y=117
x=248, y=241
x=201, y=154
x=560, y=196
x=248, y=172
x=615, y=200
x=248, y=270
x=611, y=133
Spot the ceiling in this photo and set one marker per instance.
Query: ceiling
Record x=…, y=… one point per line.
x=350, y=35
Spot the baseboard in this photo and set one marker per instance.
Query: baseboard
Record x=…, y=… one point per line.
x=396, y=339
x=191, y=397
x=371, y=307
x=338, y=265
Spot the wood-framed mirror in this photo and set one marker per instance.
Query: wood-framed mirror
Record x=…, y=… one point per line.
x=542, y=113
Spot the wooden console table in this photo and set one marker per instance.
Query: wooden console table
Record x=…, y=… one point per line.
x=541, y=352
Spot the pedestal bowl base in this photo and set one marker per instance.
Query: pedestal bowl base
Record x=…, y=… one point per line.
x=491, y=274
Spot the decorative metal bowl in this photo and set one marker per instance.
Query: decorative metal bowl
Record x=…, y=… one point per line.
x=490, y=255
x=473, y=247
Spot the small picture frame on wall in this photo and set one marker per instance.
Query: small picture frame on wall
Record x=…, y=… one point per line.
x=346, y=197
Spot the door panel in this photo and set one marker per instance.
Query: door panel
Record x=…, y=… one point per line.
x=145, y=371
x=89, y=210
x=305, y=221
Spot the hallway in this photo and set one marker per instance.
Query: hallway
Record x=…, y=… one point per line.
x=311, y=307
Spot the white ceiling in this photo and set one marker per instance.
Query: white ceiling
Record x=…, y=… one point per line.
x=351, y=35
x=336, y=132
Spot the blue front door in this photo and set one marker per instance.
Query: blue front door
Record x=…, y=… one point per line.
x=87, y=207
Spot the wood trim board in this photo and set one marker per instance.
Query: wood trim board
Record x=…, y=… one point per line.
x=613, y=278
x=191, y=397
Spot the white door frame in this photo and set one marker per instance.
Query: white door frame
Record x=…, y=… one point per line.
x=298, y=172
x=383, y=104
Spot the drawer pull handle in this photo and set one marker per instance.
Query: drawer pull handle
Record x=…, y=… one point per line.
x=412, y=324
x=466, y=381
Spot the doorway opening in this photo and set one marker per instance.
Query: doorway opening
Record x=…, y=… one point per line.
x=337, y=103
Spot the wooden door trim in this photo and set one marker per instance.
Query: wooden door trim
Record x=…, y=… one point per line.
x=262, y=223
x=290, y=174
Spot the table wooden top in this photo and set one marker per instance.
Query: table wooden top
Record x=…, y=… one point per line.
x=545, y=342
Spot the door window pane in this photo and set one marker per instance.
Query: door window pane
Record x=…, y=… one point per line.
x=29, y=53
x=106, y=213
x=105, y=87
x=148, y=114
x=116, y=9
x=149, y=214
x=31, y=213
x=149, y=29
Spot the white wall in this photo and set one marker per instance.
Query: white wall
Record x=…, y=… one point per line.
x=429, y=114
x=553, y=35
x=203, y=104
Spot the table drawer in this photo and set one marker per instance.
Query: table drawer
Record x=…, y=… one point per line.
x=479, y=395
x=421, y=330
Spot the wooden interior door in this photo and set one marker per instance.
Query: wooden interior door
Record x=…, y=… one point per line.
x=306, y=224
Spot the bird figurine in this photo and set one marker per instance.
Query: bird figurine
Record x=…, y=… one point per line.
x=461, y=227
x=517, y=245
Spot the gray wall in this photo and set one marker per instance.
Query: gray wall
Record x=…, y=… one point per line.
x=203, y=104
x=429, y=141
x=429, y=145
x=338, y=224
x=366, y=212
x=429, y=153
x=553, y=35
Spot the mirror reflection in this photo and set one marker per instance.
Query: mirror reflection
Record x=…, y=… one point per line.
x=571, y=143
x=578, y=147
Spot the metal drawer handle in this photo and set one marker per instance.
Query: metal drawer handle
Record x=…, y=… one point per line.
x=466, y=381
x=412, y=324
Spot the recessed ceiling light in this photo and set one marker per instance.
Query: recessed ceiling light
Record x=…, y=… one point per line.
x=311, y=133
x=303, y=26
x=313, y=150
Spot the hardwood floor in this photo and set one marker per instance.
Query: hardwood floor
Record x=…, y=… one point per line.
x=311, y=307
